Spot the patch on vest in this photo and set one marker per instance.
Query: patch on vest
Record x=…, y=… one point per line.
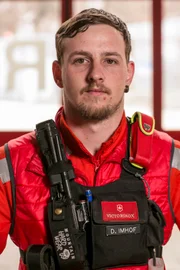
x=63, y=245
x=120, y=211
x=122, y=229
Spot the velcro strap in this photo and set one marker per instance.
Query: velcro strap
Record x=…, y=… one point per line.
x=142, y=129
x=39, y=257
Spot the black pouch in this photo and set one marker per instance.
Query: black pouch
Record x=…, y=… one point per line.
x=156, y=223
x=116, y=244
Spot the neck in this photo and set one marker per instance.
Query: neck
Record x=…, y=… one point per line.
x=93, y=134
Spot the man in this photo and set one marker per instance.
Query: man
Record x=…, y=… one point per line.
x=130, y=171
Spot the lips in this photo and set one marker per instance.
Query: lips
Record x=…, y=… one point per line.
x=95, y=89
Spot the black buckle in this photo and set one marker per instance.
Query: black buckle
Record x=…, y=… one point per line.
x=39, y=257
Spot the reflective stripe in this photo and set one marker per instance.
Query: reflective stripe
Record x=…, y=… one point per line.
x=176, y=159
x=4, y=172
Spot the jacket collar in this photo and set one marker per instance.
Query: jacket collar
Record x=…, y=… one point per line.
x=76, y=147
x=73, y=144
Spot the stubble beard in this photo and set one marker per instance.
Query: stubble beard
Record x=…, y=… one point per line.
x=91, y=113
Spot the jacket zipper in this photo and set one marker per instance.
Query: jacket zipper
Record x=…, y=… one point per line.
x=96, y=168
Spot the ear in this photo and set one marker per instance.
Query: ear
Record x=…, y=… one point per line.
x=57, y=73
x=130, y=72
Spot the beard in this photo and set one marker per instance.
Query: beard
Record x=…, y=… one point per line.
x=92, y=111
x=89, y=112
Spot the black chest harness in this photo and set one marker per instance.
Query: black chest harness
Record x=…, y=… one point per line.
x=109, y=226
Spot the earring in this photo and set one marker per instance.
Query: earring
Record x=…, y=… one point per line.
x=126, y=90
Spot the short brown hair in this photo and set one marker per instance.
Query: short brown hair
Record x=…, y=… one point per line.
x=81, y=22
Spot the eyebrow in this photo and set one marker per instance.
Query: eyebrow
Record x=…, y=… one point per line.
x=112, y=54
x=88, y=54
x=79, y=53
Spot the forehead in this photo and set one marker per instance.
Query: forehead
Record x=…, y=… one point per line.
x=96, y=37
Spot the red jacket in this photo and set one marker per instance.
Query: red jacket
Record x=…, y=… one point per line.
x=32, y=186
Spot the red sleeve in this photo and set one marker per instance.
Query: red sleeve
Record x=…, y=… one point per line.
x=175, y=183
x=5, y=201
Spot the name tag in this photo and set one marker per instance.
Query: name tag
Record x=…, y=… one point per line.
x=122, y=229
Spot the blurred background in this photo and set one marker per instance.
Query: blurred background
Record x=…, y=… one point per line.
x=29, y=95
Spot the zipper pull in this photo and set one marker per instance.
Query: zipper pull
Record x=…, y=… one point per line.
x=96, y=165
x=96, y=168
x=159, y=264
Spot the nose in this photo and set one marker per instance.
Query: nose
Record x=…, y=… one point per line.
x=95, y=73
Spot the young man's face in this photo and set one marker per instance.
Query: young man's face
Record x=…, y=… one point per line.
x=94, y=72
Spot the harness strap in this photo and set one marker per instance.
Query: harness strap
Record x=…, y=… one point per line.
x=141, y=139
x=63, y=220
x=38, y=257
x=138, y=158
